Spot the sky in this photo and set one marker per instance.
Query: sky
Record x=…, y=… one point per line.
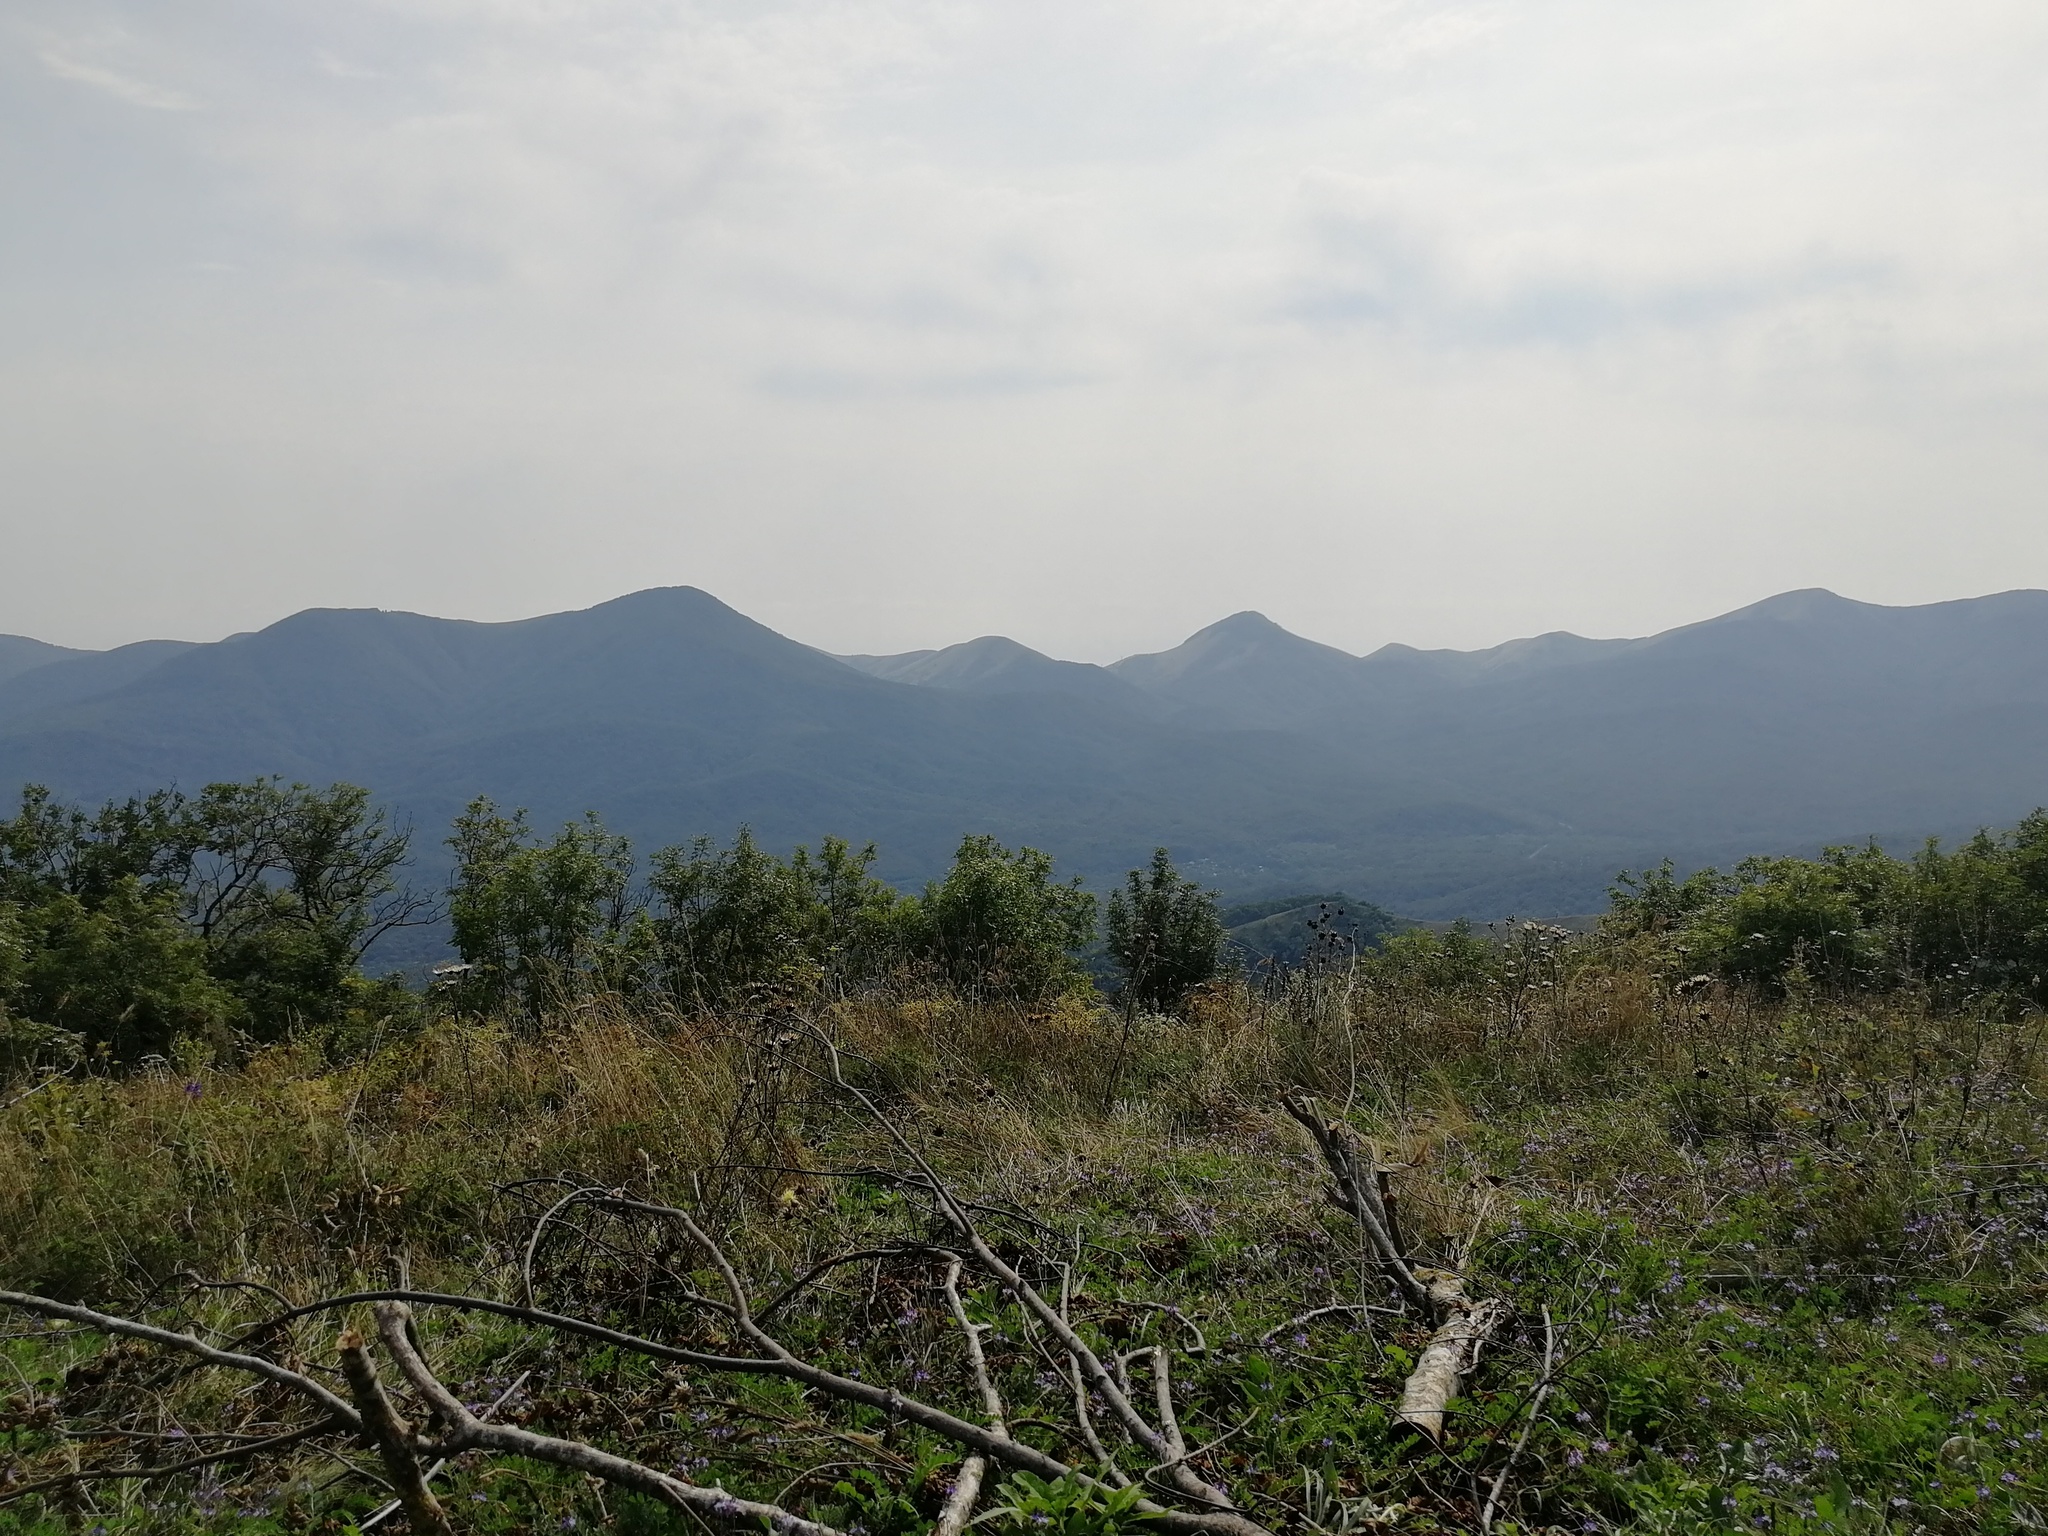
x=896, y=322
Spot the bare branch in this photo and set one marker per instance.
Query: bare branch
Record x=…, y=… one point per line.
x=967, y=1482
x=1358, y=1196
x=378, y=1516
x=102, y=1322
x=237, y=1452
x=533, y=1238
x=392, y=1439
x=1463, y=1325
x=1450, y=1356
x=1315, y=1312
x=797, y=1287
x=1184, y=1481
x=466, y=1432
x=1543, y=1385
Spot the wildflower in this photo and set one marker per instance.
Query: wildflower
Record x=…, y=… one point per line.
x=2008, y=1477
x=194, y=1089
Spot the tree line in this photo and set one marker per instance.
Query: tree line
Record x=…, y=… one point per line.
x=245, y=912
x=1964, y=922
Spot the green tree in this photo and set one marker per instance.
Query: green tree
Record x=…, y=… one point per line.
x=740, y=923
x=125, y=975
x=288, y=887
x=1164, y=933
x=49, y=849
x=998, y=925
x=544, y=923
x=278, y=891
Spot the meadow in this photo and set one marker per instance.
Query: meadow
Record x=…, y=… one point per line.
x=1769, y=1258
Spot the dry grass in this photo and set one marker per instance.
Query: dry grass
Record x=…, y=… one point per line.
x=1672, y=1166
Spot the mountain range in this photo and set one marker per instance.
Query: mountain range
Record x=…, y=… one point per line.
x=1436, y=783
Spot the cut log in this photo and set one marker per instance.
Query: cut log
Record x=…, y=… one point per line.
x=1462, y=1325
x=1450, y=1356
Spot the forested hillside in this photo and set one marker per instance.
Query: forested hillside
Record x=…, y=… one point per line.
x=732, y=1191
x=1435, y=784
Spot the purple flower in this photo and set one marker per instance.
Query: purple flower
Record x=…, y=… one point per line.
x=194, y=1088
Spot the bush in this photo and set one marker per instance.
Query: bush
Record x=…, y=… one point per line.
x=742, y=923
x=998, y=926
x=1967, y=922
x=126, y=975
x=1164, y=934
x=543, y=923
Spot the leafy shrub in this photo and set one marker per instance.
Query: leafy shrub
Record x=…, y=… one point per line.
x=1164, y=934
x=742, y=923
x=1967, y=922
x=999, y=926
x=542, y=923
x=1066, y=1506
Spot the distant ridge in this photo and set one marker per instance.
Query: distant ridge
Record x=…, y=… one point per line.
x=1516, y=779
x=994, y=664
x=19, y=654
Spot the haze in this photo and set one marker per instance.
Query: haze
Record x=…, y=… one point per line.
x=897, y=323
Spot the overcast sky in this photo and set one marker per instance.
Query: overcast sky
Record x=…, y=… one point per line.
x=894, y=323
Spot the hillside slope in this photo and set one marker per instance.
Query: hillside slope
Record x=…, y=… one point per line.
x=1515, y=779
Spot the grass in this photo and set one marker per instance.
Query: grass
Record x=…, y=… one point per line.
x=1793, y=1251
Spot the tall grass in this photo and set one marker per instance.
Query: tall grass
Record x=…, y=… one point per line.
x=1797, y=1245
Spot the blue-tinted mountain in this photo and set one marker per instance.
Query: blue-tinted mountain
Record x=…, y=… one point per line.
x=995, y=664
x=20, y=654
x=1434, y=783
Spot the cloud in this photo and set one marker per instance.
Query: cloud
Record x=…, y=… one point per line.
x=137, y=93
x=922, y=318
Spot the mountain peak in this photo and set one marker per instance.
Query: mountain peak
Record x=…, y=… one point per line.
x=1800, y=605
x=1246, y=667
x=998, y=664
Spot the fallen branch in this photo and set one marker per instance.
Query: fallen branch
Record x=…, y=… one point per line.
x=1181, y=1479
x=1543, y=1385
x=1463, y=1326
x=384, y=1512
x=393, y=1439
x=13, y=1491
x=467, y=1432
x=967, y=1482
x=102, y=1322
